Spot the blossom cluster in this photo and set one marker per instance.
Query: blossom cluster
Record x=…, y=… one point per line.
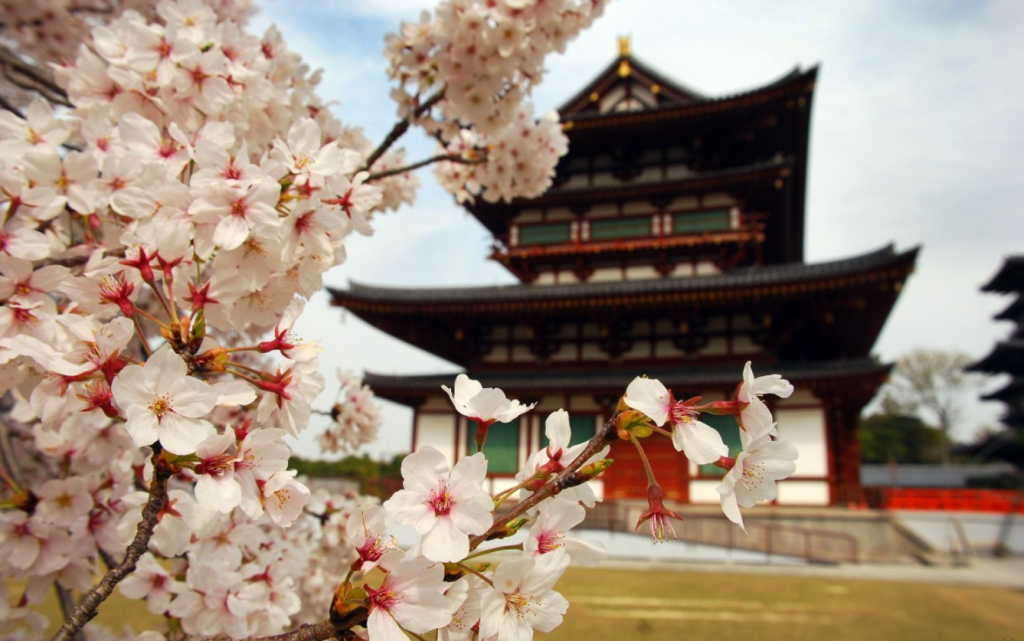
x=442, y=585
x=355, y=418
x=751, y=476
x=480, y=60
x=185, y=206
x=49, y=31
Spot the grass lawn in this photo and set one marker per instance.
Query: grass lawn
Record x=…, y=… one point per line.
x=619, y=605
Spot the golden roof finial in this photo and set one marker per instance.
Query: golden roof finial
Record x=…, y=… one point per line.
x=623, y=45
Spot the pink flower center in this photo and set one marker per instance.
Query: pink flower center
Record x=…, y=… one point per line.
x=549, y=542
x=678, y=413
x=239, y=207
x=441, y=501
x=217, y=465
x=371, y=550
x=161, y=405
x=384, y=598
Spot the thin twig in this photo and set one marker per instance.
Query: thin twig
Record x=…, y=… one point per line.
x=456, y=158
x=400, y=128
x=332, y=628
x=9, y=106
x=565, y=479
x=90, y=603
x=8, y=459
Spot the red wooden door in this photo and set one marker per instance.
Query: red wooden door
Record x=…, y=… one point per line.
x=626, y=478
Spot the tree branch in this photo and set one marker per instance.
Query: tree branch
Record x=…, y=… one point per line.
x=332, y=628
x=423, y=163
x=565, y=479
x=90, y=603
x=31, y=77
x=400, y=128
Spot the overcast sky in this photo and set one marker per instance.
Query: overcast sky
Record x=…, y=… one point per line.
x=917, y=139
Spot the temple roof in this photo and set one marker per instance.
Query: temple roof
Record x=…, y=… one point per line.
x=1007, y=356
x=1009, y=392
x=412, y=390
x=818, y=311
x=689, y=105
x=627, y=69
x=1014, y=311
x=740, y=283
x=1009, y=278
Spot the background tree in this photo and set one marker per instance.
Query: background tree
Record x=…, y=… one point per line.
x=901, y=438
x=932, y=383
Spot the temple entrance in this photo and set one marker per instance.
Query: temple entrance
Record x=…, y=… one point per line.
x=626, y=477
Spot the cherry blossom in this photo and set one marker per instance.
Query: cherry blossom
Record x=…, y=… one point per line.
x=162, y=402
x=411, y=597
x=522, y=599
x=485, y=405
x=755, y=418
x=548, y=533
x=445, y=505
x=284, y=497
x=151, y=581
x=752, y=476
x=701, y=443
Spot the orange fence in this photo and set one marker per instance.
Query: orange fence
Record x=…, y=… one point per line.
x=953, y=499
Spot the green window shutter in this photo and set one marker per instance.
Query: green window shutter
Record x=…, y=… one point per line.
x=501, y=447
x=730, y=431
x=613, y=228
x=700, y=221
x=546, y=234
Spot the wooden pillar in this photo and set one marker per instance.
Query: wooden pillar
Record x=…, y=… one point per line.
x=847, y=456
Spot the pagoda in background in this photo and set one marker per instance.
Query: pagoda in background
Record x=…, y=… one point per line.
x=670, y=245
x=1007, y=357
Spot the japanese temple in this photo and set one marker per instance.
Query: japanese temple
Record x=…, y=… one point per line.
x=670, y=245
x=1007, y=357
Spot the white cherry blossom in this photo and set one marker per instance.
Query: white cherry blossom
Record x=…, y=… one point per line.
x=522, y=599
x=701, y=443
x=411, y=596
x=444, y=505
x=755, y=418
x=549, y=533
x=162, y=402
x=485, y=405
x=753, y=475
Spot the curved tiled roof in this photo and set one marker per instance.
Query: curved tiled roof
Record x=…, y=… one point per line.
x=827, y=274
x=1009, y=278
x=614, y=381
x=699, y=107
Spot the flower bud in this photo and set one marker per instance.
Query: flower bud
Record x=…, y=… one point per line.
x=633, y=423
x=594, y=469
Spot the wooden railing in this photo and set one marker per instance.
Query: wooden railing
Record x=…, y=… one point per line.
x=812, y=544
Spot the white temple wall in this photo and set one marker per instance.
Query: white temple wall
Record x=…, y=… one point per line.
x=639, y=272
x=436, y=430
x=704, y=491
x=805, y=429
x=794, y=492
